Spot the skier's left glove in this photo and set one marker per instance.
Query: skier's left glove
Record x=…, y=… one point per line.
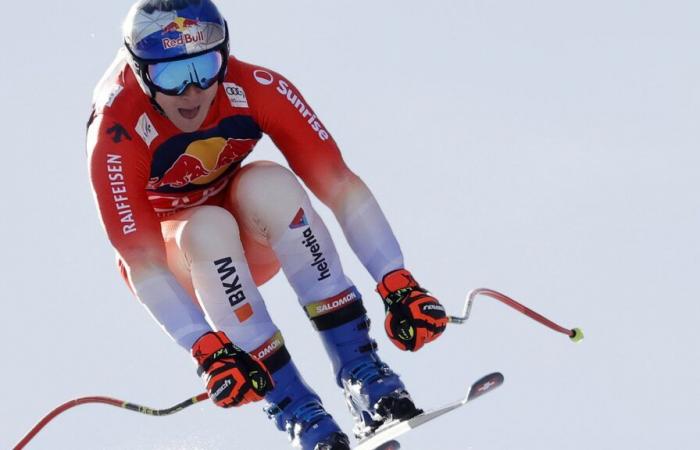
x=413, y=316
x=233, y=377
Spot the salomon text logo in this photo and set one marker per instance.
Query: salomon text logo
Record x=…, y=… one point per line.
x=274, y=345
x=337, y=304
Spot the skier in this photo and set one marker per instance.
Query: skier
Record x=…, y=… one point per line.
x=196, y=232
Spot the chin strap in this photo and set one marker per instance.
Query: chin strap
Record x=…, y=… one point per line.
x=156, y=106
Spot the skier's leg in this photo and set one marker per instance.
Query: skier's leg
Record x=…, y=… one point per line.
x=206, y=254
x=268, y=198
x=203, y=242
x=261, y=258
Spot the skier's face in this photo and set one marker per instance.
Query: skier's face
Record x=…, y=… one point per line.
x=188, y=111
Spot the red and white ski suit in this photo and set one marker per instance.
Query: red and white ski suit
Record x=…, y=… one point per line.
x=166, y=199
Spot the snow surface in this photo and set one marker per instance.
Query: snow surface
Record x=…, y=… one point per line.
x=545, y=149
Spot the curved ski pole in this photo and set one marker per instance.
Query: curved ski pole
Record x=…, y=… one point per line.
x=574, y=334
x=108, y=401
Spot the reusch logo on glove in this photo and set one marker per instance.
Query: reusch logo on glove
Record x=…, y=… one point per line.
x=433, y=307
x=222, y=388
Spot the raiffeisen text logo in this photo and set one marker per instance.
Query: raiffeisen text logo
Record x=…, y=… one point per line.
x=182, y=26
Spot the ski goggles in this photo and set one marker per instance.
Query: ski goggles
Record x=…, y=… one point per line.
x=174, y=77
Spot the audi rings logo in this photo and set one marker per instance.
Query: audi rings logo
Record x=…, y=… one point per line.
x=263, y=77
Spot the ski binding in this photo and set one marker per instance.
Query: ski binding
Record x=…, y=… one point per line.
x=383, y=438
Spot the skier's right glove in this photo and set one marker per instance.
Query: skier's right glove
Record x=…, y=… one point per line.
x=413, y=316
x=232, y=376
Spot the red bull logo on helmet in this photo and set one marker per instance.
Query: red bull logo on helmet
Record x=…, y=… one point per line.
x=183, y=40
x=182, y=25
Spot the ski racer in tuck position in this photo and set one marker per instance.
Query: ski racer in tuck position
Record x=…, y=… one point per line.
x=196, y=232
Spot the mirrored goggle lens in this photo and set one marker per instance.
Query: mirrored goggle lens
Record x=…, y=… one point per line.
x=174, y=77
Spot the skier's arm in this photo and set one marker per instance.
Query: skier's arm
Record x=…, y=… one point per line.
x=119, y=169
x=414, y=317
x=313, y=155
x=364, y=224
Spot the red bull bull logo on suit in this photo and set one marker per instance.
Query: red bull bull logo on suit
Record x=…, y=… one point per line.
x=202, y=162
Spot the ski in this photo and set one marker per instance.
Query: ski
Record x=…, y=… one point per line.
x=384, y=437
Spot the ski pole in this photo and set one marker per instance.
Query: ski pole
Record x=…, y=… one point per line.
x=108, y=401
x=575, y=334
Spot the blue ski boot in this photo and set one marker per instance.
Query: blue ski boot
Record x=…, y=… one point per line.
x=294, y=407
x=374, y=393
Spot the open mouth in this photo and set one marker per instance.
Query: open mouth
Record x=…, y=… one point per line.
x=189, y=113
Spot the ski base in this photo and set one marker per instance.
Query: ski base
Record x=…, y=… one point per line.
x=384, y=437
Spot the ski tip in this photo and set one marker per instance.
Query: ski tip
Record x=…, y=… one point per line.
x=485, y=384
x=576, y=335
